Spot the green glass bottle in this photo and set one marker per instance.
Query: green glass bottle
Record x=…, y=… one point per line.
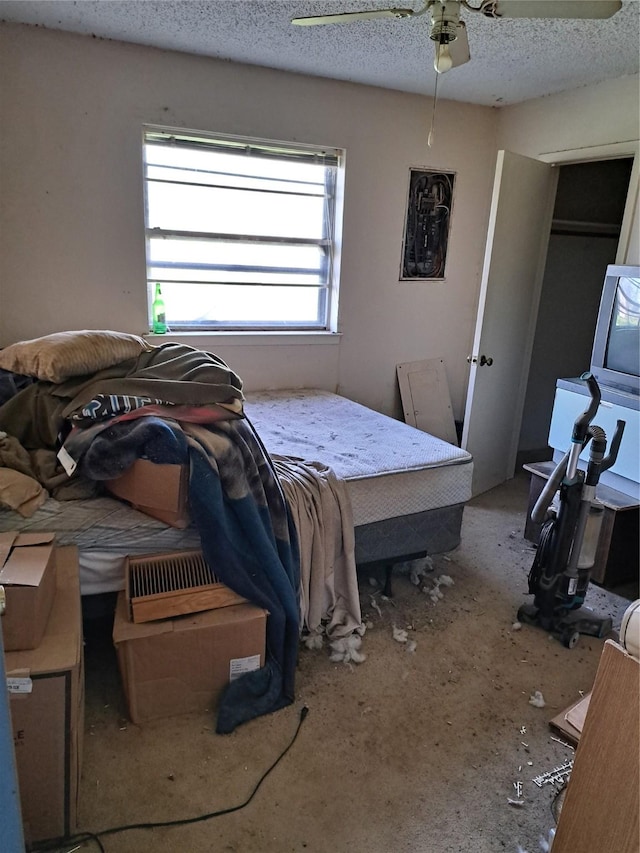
x=158, y=313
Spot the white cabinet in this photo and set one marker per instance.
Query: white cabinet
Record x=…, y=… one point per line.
x=572, y=398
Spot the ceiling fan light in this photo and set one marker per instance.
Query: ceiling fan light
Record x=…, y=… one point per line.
x=442, y=60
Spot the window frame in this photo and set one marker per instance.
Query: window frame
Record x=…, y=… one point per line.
x=328, y=243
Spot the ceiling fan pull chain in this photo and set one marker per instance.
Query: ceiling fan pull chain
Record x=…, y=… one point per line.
x=433, y=114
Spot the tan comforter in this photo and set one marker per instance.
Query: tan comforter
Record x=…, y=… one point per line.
x=321, y=509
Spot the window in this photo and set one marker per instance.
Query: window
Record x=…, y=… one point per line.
x=240, y=234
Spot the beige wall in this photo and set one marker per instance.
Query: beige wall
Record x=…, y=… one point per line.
x=595, y=122
x=71, y=214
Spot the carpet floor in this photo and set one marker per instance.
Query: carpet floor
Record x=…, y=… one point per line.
x=418, y=749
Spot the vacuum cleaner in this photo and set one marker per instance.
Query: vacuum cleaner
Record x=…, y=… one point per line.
x=571, y=519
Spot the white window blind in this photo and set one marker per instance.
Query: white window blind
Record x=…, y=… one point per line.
x=240, y=234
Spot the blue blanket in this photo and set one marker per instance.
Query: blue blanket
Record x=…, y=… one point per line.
x=248, y=536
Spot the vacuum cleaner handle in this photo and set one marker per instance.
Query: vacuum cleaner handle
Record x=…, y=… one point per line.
x=580, y=436
x=539, y=511
x=611, y=457
x=581, y=424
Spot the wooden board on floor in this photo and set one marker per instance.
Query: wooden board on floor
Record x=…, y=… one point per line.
x=570, y=722
x=426, y=402
x=600, y=810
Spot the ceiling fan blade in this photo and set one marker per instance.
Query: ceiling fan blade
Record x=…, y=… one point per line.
x=459, y=47
x=550, y=8
x=348, y=17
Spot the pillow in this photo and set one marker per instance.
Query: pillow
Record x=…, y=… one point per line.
x=57, y=357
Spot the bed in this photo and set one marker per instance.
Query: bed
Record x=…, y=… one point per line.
x=407, y=488
x=289, y=490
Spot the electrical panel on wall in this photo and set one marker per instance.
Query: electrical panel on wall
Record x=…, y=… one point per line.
x=426, y=233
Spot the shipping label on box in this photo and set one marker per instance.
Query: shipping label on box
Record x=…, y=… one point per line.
x=28, y=575
x=239, y=666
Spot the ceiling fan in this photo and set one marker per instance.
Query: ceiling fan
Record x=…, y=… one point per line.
x=449, y=32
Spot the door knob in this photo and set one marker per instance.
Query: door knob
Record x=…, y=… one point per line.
x=473, y=359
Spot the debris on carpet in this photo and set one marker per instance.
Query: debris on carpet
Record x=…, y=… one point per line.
x=347, y=650
x=537, y=700
x=375, y=606
x=416, y=569
x=400, y=635
x=313, y=640
x=434, y=592
x=545, y=843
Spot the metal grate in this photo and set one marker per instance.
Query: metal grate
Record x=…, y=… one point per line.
x=169, y=573
x=160, y=586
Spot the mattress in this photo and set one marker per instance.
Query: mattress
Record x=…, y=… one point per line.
x=391, y=468
x=105, y=530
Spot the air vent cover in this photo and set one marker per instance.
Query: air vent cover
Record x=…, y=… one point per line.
x=159, y=586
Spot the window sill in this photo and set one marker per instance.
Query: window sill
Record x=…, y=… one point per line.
x=200, y=339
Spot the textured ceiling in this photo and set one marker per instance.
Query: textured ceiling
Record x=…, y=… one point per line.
x=512, y=60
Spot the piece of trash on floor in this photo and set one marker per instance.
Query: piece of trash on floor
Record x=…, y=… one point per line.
x=313, y=641
x=515, y=802
x=563, y=742
x=411, y=646
x=347, y=649
x=537, y=700
x=416, y=568
x=434, y=592
x=516, y=626
x=375, y=606
x=559, y=774
x=420, y=569
x=400, y=635
x=545, y=843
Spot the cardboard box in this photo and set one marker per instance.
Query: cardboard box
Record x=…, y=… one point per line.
x=160, y=491
x=46, y=687
x=181, y=665
x=28, y=574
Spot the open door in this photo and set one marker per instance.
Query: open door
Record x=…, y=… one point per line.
x=519, y=228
